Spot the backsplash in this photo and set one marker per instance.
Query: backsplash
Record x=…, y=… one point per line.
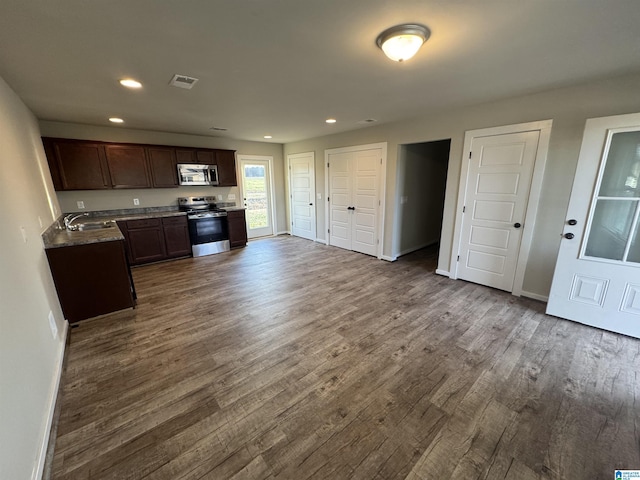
x=147, y=197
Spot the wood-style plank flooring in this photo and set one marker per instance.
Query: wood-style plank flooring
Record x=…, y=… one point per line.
x=293, y=360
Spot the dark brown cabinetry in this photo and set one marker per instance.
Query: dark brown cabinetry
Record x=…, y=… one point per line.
x=154, y=239
x=90, y=165
x=128, y=166
x=78, y=165
x=176, y=236
x=226, y=161
x=237, y=228
x=91, y=279
x=162, y=162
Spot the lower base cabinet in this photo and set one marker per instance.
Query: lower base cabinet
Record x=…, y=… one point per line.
x=91, y=279
x=154, y=239
x=237, y=228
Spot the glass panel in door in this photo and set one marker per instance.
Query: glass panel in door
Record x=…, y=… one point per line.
x=613, y=232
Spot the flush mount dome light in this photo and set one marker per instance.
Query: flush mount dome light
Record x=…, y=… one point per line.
x=402, y=42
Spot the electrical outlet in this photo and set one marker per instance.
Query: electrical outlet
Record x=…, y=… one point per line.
x=53, y=325
x=231, y=196
x=319, y=196
x=136, y=201
x=80, y=204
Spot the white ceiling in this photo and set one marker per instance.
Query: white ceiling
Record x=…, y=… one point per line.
x=281, y=67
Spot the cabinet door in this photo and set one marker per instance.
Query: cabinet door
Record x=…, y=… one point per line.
x=176, y=236
x=128, y=166
x=206, y=157
x=226, y=161
x=146, y=241
x=237, y=228
x=162, y=162
x=91, y=279
x=185, y=155
x=81, y=166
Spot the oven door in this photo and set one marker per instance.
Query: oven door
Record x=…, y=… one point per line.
x=208, y=230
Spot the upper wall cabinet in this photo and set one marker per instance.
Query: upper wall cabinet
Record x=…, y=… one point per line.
x=128, y=166
x=90, y=165
x=162, y=161
x=226, y=161
x=77, y=165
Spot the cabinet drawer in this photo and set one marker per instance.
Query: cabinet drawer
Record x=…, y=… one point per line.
x=143, y=223
x=180, y=220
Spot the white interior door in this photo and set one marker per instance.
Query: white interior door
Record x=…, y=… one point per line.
x=496, y=195
x=340, y=195
x=354, y=199
x=597, y=275
x=257, y=190
x=302, y=188
x=364, y=215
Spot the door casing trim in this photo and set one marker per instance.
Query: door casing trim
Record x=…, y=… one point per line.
x=272, y=198
x=544, y=127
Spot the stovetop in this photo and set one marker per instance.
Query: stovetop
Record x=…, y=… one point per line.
x=200, y=207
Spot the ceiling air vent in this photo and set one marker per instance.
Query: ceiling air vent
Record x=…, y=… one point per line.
x=367, y=121
x=219, y=129
x=182, y=81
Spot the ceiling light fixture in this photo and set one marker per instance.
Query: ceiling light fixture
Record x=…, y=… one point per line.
x=268, y=137
x=116, y=120
x=402, y=42
x=330, y=120
x=130, y=83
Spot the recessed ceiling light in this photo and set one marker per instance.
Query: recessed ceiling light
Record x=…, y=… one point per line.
x=130, y=83
x=331, y=120
x=116, y=120
x=268, y=136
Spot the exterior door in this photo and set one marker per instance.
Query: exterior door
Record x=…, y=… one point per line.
x=597, y=275
x=302, y=188
x=495, y=202
x=354, y=199
x=257, y=195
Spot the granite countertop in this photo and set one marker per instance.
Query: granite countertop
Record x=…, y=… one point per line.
x=55, y=236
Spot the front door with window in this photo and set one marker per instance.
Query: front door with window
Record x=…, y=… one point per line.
x=256, y=194
x=597, y=275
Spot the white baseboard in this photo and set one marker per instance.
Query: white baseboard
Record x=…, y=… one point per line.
x=535, y=296
x=287, y=232
x=388, y=258
x=322, y=240
x=443, y=272
x=52, y=403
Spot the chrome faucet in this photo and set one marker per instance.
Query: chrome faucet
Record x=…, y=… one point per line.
x=70, y=218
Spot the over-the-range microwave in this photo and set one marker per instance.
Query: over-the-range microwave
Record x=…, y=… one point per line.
x=189, y=174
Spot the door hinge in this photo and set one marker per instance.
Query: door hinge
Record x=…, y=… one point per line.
x=328, y=230
x=327, y=164
x=458, y=259
x=327, y=199
x=379, y=202
x=464, y=208
x=380, y=161
x=378, y=242
x=469, y=154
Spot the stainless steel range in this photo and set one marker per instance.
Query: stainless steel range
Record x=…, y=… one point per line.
x=207, y=225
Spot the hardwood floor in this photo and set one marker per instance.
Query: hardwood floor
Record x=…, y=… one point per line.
x=294, y=360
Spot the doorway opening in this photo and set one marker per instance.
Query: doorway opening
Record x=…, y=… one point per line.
x=421, y=183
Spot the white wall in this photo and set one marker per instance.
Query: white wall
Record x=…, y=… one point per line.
x=569, y=107
x=156, y=197
x=30, y=358
x=422, y=177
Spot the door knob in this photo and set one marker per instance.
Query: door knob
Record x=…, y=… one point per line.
x=572, y=222
x=517, y=225
x=311, y=204
x=569, y=236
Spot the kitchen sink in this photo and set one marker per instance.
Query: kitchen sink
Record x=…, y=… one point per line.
x=95, y=226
